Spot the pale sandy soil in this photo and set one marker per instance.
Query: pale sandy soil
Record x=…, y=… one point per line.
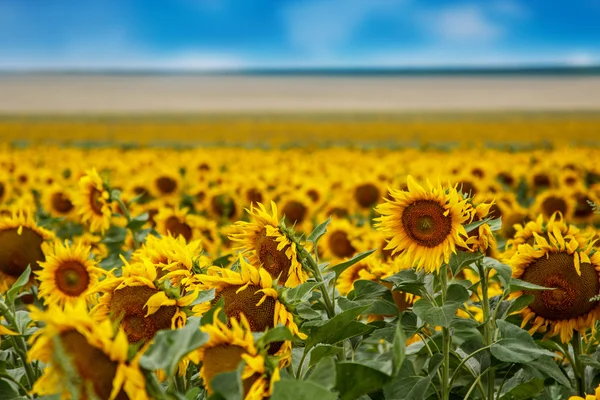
x=208, y=94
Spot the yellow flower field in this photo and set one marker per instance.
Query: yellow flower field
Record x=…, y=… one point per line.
x=364, y=271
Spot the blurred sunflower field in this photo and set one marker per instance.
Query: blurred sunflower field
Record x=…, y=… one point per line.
x=300, y=272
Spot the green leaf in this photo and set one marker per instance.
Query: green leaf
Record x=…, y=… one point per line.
x=516, y=345
x=474, y=225
x=324, y=373
x=223, y=261
x=277, y=334
x=170, y=346
x=407, y=281
x=442, y=315
x=228, y=385
x=519, y=303
x=462, y=259
x=366, y=290
x=547, y=366
x=204, y=296
x=323, y=350
x=590, y=361
x=11, y=293
x=342, y=326
x=503, y=271
x=522, y=386
x=300, y=292
x=354, y=380
x=398, y=348
x=287, y=389
x=517, y=284
x=407, y=388
x=208, y=316
x=138, y=221
x=338, y=269
x=318, y=232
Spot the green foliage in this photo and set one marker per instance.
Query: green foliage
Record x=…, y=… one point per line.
x=170, y=346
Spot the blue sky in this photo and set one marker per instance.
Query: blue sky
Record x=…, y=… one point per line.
x=217, y=34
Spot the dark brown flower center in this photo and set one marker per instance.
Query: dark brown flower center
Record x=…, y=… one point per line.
x=166, y=185
x=72, y=278
x=294, y=212
x=468, y=188
x=313, y=195
x=224, y=358
x=582, y=207
x=174, y=226
x=259, y=317
x=95, y=369
x=2, y=190
x=96, y=201
x=571, y=297
x=366, y=195
x=340, y=244
x=254, y=195
x=61, y=203
x=128, y=306
x=425, y=223
x=274, y=261
x=552, y=204
x=19, y=251
x=541, y=181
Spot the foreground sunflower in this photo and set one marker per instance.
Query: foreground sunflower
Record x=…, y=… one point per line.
x=21, y=242
x=572, y=271
x=424, y=225
x=68, y=274
x=226, y=348
x=83, y=359
x=93, y=203
x=265, y=244
x=138, y=304
x=250, y=293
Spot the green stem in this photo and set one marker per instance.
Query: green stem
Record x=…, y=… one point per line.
x=19, y=343
x=488, y=327
x=329, y=306
x=299, y=371
x=578, y=365
x=447, y=339
x=464, y=360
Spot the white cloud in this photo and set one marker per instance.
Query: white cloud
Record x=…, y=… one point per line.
x=319, y=26
x=581, y=59
x=464, y=23
x=509, y=8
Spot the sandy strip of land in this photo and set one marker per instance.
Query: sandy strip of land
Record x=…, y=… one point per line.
x=76, y=94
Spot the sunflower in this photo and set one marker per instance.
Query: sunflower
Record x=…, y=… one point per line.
x=367, y=194
x=296, y=211
x=344, y=239
x=250, y=293
x=174, y=257
x=227, y=347
x=424, y=225
x=572, y=271
x=68, y=274
x=20, y=246
x=177, y=222
x=58, y=201
x=553, y=201
x=525, y=233
x=267, y=245
x=166, y=184
x=93, y=203
x=83, y=359
x=138, y=303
